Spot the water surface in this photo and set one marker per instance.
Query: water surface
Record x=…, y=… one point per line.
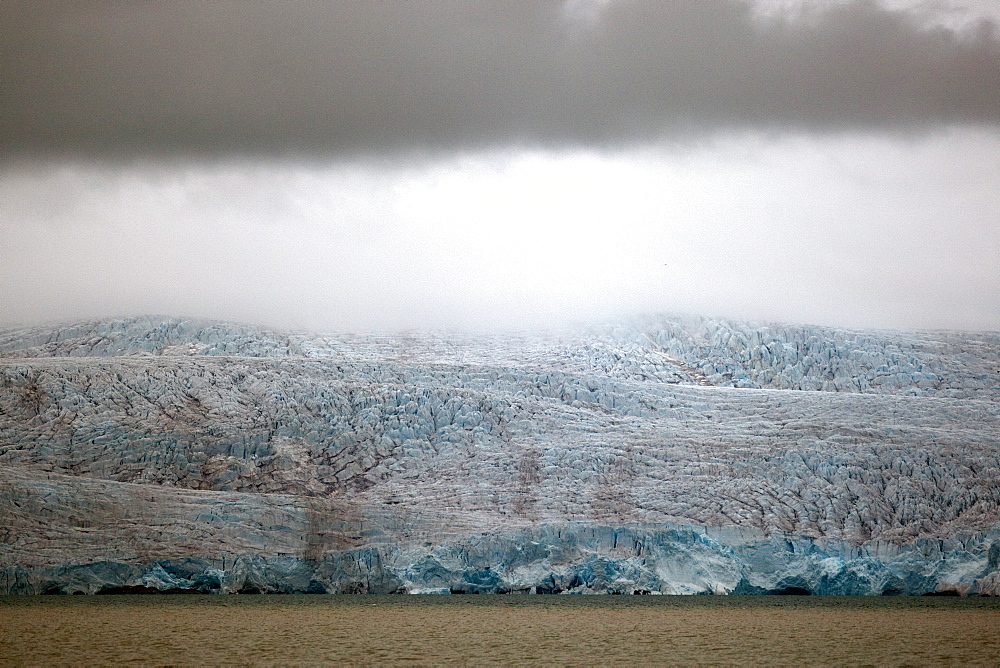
x=498, y=629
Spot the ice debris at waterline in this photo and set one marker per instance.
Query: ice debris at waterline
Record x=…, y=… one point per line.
x=664, y=455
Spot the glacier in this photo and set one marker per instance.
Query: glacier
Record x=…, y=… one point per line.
x=658, y=455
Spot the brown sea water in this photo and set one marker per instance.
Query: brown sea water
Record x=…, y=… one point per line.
x=497, y=629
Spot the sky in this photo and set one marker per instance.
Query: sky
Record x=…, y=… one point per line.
x=374, y=165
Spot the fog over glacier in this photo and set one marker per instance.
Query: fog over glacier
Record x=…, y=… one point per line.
x=355, y=166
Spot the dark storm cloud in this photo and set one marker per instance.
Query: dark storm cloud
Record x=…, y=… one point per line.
x=350, y=78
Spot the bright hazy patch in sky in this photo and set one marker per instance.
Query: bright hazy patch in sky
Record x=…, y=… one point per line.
x=848, y=230
x=478, y=163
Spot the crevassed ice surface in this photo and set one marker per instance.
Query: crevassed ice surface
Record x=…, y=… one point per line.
x=664, y=454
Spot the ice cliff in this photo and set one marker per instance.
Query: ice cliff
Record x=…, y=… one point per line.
x=660, y=455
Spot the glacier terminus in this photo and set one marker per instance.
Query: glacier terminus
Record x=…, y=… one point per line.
x=658, y=455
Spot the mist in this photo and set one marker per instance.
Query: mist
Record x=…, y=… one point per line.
x=400, y=165
x=852, y=231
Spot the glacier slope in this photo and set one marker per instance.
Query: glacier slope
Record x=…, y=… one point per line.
x=170, y=453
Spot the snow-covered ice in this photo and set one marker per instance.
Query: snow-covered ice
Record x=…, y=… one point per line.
x=664, y=454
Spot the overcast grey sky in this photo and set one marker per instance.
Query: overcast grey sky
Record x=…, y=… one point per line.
x=422, y=164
